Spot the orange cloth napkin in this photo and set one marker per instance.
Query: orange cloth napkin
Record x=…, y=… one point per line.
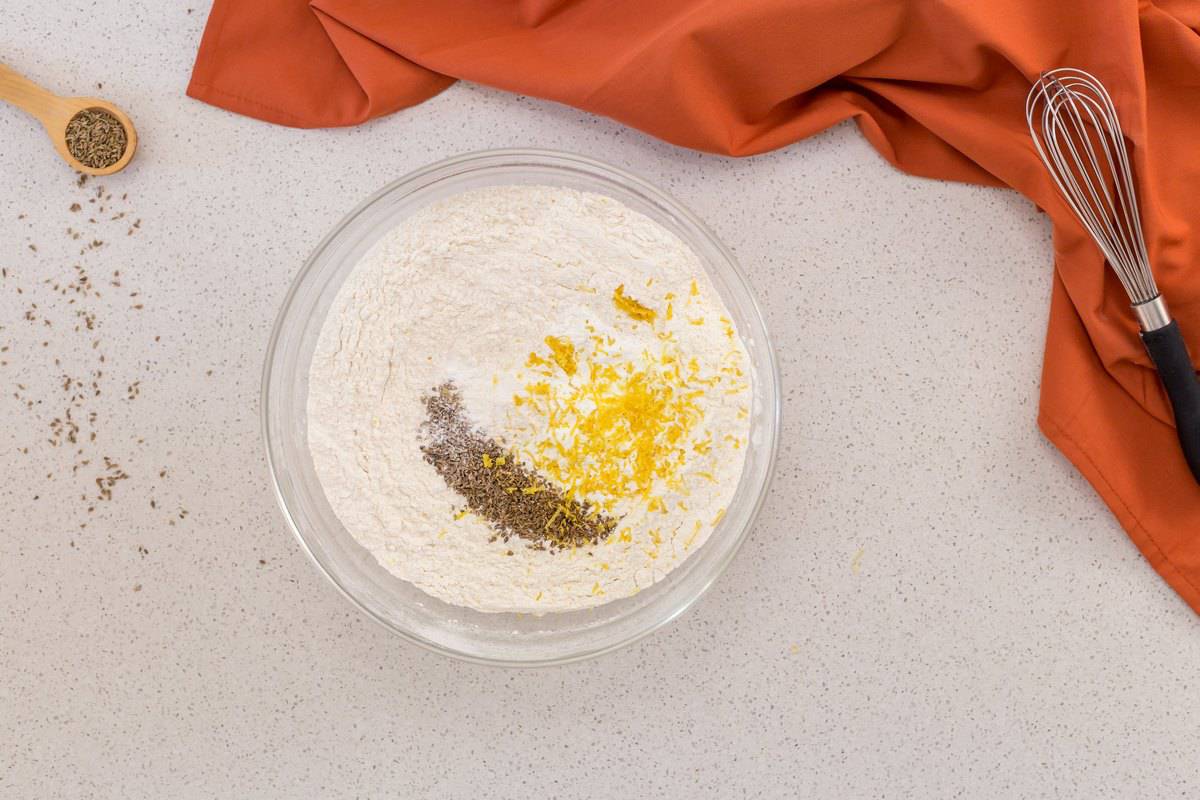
x=937, y=87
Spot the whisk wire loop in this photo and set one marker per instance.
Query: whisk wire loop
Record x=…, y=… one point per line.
x=1078, y=136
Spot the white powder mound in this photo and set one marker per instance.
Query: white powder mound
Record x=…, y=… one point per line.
x=464, y=291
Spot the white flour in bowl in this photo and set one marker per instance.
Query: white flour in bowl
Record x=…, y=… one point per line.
x=602, y=390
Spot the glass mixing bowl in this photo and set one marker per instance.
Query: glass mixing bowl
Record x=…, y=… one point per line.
x=512, y=639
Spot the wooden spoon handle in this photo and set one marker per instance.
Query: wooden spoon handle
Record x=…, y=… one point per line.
x=27, y=95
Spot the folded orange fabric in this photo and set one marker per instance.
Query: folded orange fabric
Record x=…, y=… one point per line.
x=937, y=87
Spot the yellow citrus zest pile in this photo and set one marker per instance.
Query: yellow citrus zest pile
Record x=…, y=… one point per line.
x=612, y=426
x=615, y=427
x=619, y=428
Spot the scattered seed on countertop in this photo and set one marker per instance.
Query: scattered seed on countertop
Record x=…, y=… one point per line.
x=76, y=430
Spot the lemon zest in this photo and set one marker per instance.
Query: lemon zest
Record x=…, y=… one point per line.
x=632, y=307
x=618, y=428
x=564, y=353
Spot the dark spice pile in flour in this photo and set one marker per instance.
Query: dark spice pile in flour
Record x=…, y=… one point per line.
x=96, y=138
x=514, y=498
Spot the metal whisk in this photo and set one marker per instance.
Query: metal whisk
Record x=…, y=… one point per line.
x=1078, y=136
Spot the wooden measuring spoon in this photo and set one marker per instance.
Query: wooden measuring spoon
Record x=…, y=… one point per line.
x=55, y=112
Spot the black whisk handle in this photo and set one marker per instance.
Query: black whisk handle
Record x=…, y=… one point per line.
x=1170, y=356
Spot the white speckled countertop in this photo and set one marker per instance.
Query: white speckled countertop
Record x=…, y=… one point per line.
x=932, y=605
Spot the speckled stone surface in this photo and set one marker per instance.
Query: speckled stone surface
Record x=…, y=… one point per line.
x=932, y=605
